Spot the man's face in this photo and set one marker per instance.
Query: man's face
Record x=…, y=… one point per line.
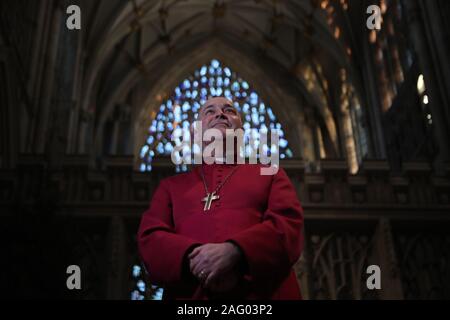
x=219, y=113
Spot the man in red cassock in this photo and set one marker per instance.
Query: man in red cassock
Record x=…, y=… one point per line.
x=223, y=230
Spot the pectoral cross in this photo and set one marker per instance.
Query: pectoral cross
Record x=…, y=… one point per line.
x=210, y=197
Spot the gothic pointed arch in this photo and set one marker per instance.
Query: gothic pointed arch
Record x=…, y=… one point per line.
x=180, y=109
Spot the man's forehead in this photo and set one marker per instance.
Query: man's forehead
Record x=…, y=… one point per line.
x=217, y=101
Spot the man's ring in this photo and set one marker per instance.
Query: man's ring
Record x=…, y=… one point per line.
x=202, y=274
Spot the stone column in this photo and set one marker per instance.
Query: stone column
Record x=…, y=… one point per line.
x=391, y=286
x=373, y=113
x=117, y=266
x=429, y=66
x=435, y=31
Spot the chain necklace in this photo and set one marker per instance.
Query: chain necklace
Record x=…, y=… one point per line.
x=210, y=197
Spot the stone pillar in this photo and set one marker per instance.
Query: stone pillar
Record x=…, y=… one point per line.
x=429, y=66
x=435, y=31
x=117, y=266
x=391, y=286
x=373, y=108
x=42, y=125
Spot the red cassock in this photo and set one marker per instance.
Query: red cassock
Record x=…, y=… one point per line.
x=260, y=214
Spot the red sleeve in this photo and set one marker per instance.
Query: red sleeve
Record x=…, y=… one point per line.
x=275, y=244
x=161, y=249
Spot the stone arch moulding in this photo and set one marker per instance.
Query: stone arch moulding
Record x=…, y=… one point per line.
x=285, y=105
x=274, y=95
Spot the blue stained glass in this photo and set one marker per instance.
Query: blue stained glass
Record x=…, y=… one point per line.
x=255, y=119
x=263, y=128
x=186, y=106
x=209, y=80
x=141, y=285
x=136, y=271
x=135, y=295
x=289, y=153
x=158, y=294
x=144, y=151
x=160, y=126
x=168, y=147
x=160, y=148
x=177, y=114
x=271, y=115
x=215, y=63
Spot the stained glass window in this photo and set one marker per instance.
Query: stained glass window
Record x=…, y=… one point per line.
x=141, y=290
x=176, y=114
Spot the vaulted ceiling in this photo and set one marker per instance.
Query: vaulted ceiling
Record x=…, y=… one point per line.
x=122, y=35
x=128, y=43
